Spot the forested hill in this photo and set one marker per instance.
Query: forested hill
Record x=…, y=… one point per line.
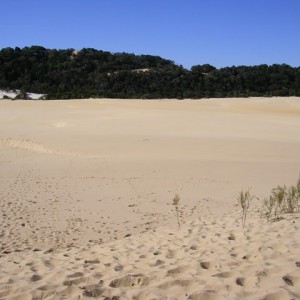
x=64, y=74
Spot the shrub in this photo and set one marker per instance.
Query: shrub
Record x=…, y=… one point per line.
x=244, y=200
x=282, y=200
x=176, y=200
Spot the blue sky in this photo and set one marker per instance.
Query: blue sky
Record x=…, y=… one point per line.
x=190, y=32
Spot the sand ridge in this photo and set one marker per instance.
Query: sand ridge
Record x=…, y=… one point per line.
x=26, y=144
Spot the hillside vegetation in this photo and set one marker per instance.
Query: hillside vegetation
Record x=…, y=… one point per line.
x=65, y=74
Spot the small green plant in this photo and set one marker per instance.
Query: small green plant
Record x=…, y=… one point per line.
x=244, y=200
x=279, y=195
x=269, y=204
x=175, y=202
x=282, y=200
x=277, y=200
x=298, y=194
x=292, y=200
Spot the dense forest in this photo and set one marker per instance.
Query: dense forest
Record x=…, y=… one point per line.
x=66, y=74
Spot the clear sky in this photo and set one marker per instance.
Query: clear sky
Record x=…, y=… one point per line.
x=189, y=32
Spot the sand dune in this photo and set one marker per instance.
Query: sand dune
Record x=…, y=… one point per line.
x=86, y=192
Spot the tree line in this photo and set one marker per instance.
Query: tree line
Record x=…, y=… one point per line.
x=71, y=74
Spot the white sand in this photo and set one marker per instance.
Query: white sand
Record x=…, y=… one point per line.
x=77, y=175
x=13, y=93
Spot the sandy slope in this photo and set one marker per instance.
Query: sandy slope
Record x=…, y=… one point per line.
x=77, y=175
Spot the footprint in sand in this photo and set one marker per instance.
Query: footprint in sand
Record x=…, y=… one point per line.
x=281, y=295
x=223, y=275
x=130, y=281
x=180, y=282
x=75, y=279
x=36, y=277
x=290, y=280
x=247, y=282
x=178, y=270
x=207, y=295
